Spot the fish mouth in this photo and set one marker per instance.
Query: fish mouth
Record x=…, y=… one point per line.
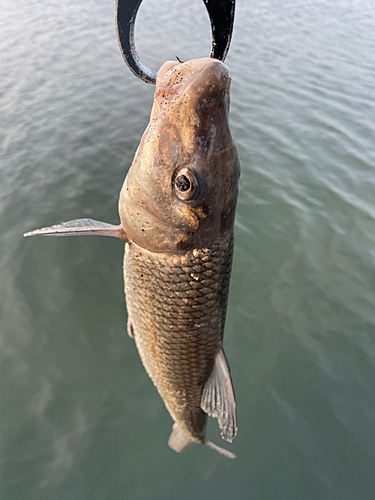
x=199, y=72
x=198, y=83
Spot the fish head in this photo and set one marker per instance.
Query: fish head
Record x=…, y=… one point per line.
x=181, y=190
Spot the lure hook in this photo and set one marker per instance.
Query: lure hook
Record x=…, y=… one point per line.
x=221, y=14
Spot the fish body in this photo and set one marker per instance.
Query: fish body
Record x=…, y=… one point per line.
x=177, y=305
x=177, y=208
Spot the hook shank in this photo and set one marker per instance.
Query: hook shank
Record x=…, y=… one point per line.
x=221, y=14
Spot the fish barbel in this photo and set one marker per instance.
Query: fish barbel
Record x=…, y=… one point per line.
x=177, y=208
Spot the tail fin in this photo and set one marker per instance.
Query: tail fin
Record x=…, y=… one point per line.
x=222, y=451
x=180, y=441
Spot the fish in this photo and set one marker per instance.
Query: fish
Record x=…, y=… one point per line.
x=177, y=209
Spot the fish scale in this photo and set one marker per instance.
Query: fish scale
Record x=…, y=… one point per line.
x=178, y=322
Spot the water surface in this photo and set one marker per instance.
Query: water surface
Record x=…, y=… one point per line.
x=79, y=417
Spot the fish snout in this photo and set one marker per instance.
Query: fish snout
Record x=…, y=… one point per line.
x=214, y=74
x=209, y=87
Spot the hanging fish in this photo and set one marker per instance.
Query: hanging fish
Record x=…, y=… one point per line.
x=177, y=208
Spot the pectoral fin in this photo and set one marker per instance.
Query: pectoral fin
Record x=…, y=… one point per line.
x=218, y=398
x=81, y=227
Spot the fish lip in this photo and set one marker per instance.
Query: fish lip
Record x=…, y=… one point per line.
x=194, y=68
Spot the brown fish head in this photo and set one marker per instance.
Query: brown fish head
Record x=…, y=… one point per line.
x=181, y=190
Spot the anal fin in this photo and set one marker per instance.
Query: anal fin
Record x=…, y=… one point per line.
x=218, y=398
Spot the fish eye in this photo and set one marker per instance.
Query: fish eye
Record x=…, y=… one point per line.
x=185, y=184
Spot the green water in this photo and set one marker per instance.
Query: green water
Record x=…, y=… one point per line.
x=79, y=418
